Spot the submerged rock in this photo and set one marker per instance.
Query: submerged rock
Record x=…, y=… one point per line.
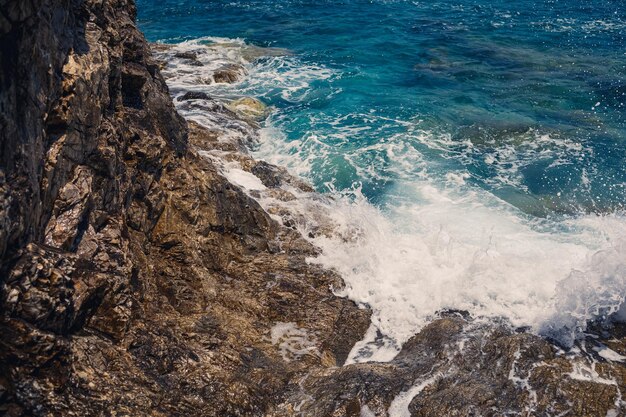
x=252, y=52
x=248, y=52
x=250, y=108
x=160, y=47
x=190, y=57
x=186, y=55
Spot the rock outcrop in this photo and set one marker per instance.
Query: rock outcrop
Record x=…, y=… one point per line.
x=457, y=366
x=136, y=280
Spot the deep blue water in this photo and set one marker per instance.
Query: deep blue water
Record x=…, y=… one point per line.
x=485, y=77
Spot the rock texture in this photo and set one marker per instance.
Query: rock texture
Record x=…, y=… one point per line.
x=136, y=280
x=457, y=366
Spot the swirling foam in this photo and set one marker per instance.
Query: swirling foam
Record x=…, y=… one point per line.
x=438, y=242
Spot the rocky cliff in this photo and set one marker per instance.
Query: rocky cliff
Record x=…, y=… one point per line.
x=134, y=277
x=136, y=280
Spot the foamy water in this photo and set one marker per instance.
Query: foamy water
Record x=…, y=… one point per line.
x=433, y=238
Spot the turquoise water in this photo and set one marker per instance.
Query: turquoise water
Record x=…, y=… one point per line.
x=475, y=150
x=487, y=77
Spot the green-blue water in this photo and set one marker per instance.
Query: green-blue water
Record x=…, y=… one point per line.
x=486, y=77
x=483, y=144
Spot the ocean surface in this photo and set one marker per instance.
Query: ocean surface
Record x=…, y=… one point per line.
x=473, y=152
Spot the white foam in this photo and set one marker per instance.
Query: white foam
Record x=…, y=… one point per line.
x=464, y=253
x=293, y=341
x=509, y=155
x=270, y=71
x=399, y=407
x=366, y=412
x=243, y=179
x=524, y=382
x=610, y=354
x=588, y=373
x=373, y=348
x=440, y=242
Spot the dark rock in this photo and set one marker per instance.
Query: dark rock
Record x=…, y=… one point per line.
x=466, y=368
x=268, y=174
x=190, y=57
x=187, y=55
x=160, y=47
x=194, y=95
x=134, y=279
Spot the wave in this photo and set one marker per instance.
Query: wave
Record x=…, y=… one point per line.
x=435, y=241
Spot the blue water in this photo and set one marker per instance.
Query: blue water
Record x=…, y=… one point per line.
x=476, y=149
x=487, y=76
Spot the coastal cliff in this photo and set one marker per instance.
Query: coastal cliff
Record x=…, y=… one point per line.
x=137, y=280
x=134, y=277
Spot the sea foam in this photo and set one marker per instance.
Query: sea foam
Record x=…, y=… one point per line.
x=437, y=242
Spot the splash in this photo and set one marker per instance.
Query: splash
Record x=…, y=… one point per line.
x=435, y=239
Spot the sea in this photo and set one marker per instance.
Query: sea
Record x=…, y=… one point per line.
x=470, y=154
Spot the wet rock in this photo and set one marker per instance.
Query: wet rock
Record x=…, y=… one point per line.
x=456, y=366
x=250, y=108
x=134, y=278
x=229, y=73
x=187, y=55
x=160, y=47
x=190, y=57
x=252, y=52
x=248, y=52
x=194, y=95
x=268, y=174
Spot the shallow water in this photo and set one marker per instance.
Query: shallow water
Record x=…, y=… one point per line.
x=476, y=150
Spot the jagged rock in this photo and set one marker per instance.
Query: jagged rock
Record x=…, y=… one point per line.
x=187, y=55
x=135, y=279
x=457, y=366
x=190, y=56
x=156, y=46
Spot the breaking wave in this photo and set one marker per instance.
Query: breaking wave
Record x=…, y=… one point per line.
x=407, y=220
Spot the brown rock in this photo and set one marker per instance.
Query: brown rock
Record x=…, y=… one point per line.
x=134, y=278
x=229, y=73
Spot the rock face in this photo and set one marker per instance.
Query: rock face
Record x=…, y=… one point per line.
x=230, y=73
x=136, y=280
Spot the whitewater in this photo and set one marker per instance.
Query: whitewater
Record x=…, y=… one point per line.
x=437, y=241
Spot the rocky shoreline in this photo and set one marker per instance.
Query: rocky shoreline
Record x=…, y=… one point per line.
x=136, y=279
